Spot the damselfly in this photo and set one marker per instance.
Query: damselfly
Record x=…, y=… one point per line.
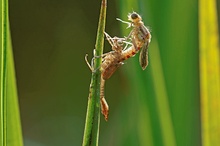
x=141, y=35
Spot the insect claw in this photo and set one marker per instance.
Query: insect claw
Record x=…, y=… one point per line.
x=97, y=57
x=94, y=54
x=91, y=66
x=87, y=62
x=94, y=70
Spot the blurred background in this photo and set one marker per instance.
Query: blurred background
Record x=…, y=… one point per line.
x=156, y=107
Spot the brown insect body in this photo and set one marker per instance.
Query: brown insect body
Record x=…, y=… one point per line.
x=111, y=62
x=114, y=60
x=141, y=36
x=130, y=52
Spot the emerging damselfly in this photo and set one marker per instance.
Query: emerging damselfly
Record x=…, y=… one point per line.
x=141, y=35
x=123, y=49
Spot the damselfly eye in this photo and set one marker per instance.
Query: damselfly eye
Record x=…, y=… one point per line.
x=134, y=16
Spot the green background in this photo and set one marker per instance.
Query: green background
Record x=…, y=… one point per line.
x=50, y=39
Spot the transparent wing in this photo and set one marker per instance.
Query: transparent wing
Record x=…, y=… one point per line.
x=143, y=58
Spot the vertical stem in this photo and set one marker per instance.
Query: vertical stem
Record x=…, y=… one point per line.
x=91, y=132
x=4, y=21
x=209, y=72
x=162, y=101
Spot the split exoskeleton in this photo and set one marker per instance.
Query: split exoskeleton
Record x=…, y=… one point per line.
x=111, y=61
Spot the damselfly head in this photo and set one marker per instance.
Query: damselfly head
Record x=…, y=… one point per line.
x=134, y=17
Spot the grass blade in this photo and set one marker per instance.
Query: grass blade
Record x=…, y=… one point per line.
x=10, y=119
x=169, y=88
x=161, y=97
x=209, y=72
x=4, y=35
x=14, y=132
x=162, y=103
x=91, y=132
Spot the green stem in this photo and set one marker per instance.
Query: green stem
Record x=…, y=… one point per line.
x=4, y=25
x=91, y=132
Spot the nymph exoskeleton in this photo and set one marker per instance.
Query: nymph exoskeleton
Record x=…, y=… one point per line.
x=111, y=61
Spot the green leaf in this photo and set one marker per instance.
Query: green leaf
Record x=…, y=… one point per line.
x=167, y=92
x=209, y=72
x=10, y=125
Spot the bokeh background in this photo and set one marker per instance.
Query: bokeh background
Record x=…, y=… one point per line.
x=157, y=107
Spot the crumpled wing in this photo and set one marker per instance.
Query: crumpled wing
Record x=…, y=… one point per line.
x=143, y=57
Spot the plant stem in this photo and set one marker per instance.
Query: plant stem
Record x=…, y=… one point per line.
x=91, y=132
x=4, y=35
x=209, y=72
